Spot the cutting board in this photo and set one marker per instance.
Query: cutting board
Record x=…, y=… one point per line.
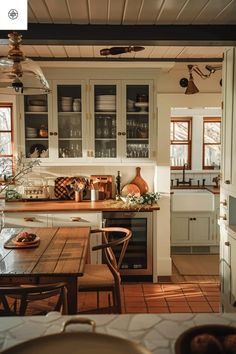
x=140, y=182
x=130, y=188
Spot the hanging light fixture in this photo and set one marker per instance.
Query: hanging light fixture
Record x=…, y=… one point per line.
x=191, y=87
x=20, y=73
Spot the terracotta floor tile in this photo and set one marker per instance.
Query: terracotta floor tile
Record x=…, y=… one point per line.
x=157, y=302
x=155, y=297
x=200, y=307
x=136, y=310
x=177, y=303
x=179, y=309
x=161, y=309
x=191, y=298
x=169, y=287
x=213, y=298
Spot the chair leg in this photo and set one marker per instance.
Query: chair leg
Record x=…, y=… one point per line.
x=98, y=300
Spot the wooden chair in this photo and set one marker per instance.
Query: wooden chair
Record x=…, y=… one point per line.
x=106, y=277
x=23, y=295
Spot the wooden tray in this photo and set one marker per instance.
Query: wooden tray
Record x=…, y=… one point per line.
x=12, y=243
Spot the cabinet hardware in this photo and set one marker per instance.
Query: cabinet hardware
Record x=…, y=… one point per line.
x=227, y=243
x=75, y=218
x=227, y=181
x=55, y=133
x=123, y=133
x=223, y=217
x=194, y=219
x=29, y=218
x=190, y=219
x=50, y=133
x=224, y=202
x=119, y=133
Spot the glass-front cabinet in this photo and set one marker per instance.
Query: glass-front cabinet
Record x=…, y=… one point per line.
x=121, y=115
x=69, y=121
x=36, y=126
x=90, y=120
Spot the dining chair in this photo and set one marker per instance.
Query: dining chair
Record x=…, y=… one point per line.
x=23, y=295
x=106, y=277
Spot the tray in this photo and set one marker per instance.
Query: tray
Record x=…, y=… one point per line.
x=11, y=243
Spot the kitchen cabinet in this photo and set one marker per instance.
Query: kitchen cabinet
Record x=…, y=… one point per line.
x=192, y=229
x=122, y=117
x=92, y=120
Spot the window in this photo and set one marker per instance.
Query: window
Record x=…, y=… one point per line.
x=211, y=143
x=6, y=140
x=180, y=148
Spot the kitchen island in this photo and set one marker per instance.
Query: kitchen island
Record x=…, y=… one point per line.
x=157, y=333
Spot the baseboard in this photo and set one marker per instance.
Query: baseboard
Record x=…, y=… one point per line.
x=164, y=279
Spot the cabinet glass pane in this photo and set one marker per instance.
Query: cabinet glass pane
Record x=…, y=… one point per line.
x=36, y=126
x=137, y=121
x=105, y=121
x=69, y=121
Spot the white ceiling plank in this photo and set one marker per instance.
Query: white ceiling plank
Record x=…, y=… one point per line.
x=227, y=15
x=158, y=52
x=86, y=51
x=40, y=11
x=78, y=11
x=190, y=11
x=149, y=11
x=73, y=51
x=43, y=51
x=31, y=15
x=172, y=52
x=116, y=8
x=58, y=11
x=29, y=51
x=98, y=11
x=144, y=53
x=58, y=51
x=211, y=11
x=131, y=12
x=170, y=11
x=202, y=52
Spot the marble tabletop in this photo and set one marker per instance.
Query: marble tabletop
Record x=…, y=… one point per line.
x=157, y=332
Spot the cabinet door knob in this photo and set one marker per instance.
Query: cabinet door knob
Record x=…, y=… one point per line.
x=123, y=133
x=29, y=218
x=119, y=133
x=223, y=217
x=55, y=133
x=227, y=181
x=227, y=243
x=224, y=202
x=50, y=133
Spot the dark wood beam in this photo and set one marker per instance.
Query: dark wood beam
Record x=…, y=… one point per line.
x=73, y=34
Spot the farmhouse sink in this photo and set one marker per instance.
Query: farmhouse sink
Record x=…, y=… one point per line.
x=192, y=200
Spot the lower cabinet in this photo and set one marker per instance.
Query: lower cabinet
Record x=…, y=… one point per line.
x=71, y=219
x=192, y=229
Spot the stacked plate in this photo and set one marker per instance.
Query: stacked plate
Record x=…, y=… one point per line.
x=106, y=103
x=66, y=104
x=31, y=132
x=37, y=106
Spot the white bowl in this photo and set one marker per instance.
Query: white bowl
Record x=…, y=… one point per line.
x=37, y=109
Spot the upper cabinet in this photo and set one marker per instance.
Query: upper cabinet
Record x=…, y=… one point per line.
x=91, y=121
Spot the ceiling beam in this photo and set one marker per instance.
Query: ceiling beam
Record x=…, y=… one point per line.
x=164, y=35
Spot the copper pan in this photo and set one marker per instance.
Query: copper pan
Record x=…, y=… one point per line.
x=78, y=343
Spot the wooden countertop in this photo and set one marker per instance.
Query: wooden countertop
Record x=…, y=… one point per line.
x=67, y=205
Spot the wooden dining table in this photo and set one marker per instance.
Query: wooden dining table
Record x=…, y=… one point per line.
x=60, y=256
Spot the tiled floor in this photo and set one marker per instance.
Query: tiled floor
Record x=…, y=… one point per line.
x=162, y=298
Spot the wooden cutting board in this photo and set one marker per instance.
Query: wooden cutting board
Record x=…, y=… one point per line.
x=139, y=181
x=130, y=188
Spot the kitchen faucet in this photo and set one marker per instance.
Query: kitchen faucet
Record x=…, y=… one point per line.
x=189, y=182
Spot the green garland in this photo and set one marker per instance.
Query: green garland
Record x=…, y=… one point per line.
x=149, y=198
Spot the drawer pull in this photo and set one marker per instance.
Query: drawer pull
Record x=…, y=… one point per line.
x=223, y=217
x=75, y=218
x=29, y=218
x=227, y=243
x=224, y=202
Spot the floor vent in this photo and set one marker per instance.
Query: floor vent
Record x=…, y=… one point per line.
x=180, y=249
x=201, y=249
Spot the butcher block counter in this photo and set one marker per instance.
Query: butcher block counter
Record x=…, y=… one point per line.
x=67, y=205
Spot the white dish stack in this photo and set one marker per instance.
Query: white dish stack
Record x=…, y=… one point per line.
x=31, y=132
x=66, y=104
x=37, y=105
x=106, y=103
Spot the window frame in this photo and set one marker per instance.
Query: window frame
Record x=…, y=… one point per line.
x=187, y=142
x=11, y=131
x=207, y=120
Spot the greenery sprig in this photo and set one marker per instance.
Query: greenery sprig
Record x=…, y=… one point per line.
x=149, y=198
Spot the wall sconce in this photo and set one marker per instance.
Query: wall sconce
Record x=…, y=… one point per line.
x=191, y=88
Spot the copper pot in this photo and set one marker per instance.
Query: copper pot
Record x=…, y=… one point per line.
x=78, y=342
x=43, y=132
